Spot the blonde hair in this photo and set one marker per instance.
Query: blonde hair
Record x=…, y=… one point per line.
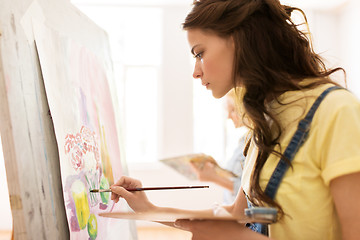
x=237, y=94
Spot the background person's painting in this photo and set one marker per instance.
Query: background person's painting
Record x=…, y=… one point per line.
x=80, y=101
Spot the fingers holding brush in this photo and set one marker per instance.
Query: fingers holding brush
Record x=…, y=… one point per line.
x=119, y=188
x=137, y=200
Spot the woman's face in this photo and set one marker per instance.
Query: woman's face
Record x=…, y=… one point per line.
x=214, y=60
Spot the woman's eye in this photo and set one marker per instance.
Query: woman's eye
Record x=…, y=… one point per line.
x=199, y=55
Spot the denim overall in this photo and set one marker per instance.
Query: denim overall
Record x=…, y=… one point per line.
x=295, y=143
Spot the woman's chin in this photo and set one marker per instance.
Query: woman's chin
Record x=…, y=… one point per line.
x=218, y=95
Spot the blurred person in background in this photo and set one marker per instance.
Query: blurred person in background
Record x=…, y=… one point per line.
x=207, y=172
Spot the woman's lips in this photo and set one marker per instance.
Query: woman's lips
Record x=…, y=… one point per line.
x=205, y=84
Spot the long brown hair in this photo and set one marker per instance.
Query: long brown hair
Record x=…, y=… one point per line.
x=272, y=56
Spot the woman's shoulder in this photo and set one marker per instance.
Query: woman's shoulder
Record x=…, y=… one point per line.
x=335, y=99
x=295, y=104
x=340, y=99
x=339, y=105
x=343, y=97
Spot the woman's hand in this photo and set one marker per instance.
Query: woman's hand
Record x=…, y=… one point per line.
x=137, y=200
x=217, y=230
x=221, y=230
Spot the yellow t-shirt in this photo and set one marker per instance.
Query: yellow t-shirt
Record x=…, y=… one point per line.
x=331, y=150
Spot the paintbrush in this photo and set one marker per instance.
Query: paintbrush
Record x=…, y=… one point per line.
x=148, y=188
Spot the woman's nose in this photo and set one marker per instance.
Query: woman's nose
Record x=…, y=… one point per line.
x=197, y=71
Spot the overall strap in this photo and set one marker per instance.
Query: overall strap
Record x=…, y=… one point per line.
x=295, y=143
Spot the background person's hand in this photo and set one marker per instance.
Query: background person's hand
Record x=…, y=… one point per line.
x=204, y=171
x=137, y=200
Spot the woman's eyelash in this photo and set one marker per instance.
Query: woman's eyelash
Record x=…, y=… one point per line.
x=199, y=55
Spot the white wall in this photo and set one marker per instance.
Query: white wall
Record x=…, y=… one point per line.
x=175, y=93
x=349, y=34
x=176, y=135
x=336, y=35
